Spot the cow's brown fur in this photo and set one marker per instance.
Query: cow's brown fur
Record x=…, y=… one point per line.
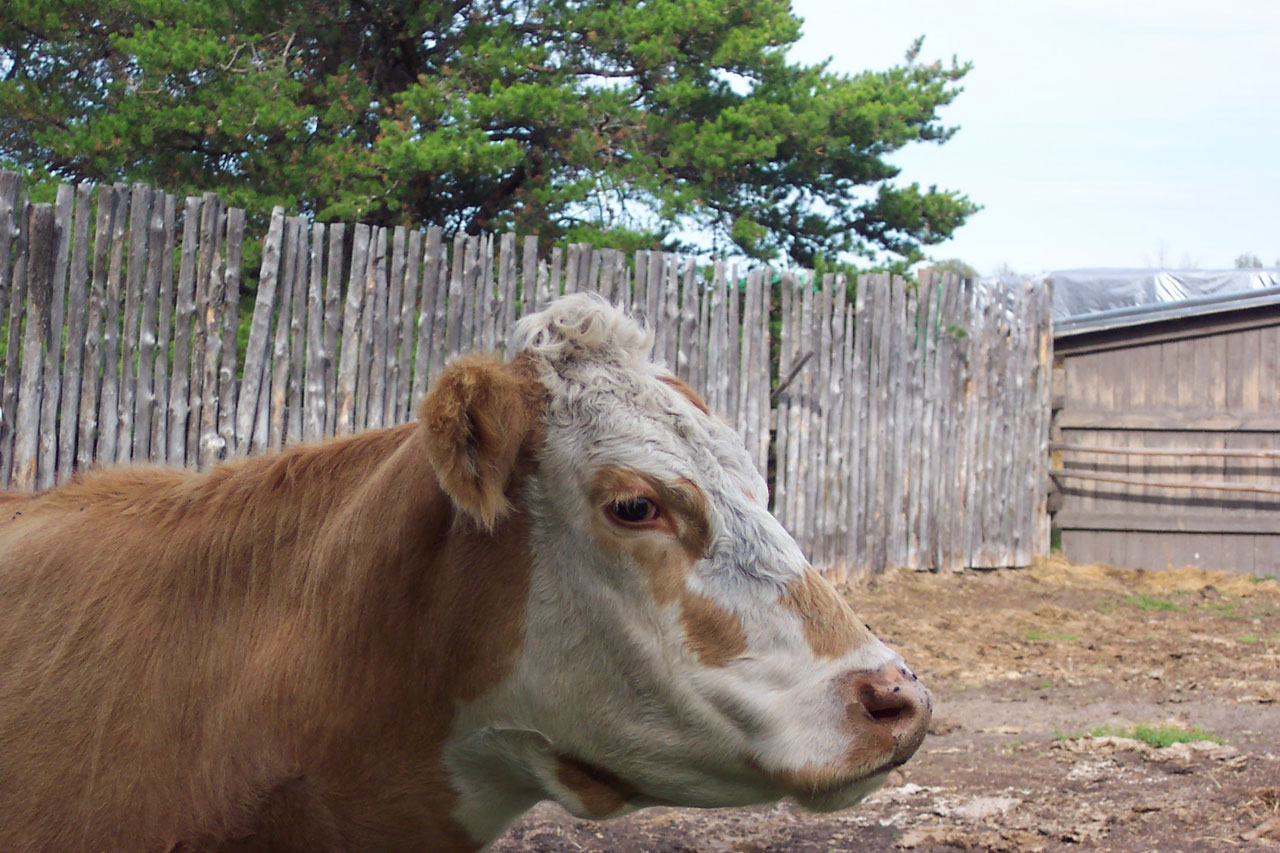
x=601, y=793
x=830, y=626
x=713, y=633
x=266, y=656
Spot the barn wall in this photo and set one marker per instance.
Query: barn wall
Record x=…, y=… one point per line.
x=1209, y=383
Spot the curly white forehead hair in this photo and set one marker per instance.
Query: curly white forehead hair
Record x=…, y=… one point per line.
x=583, y=326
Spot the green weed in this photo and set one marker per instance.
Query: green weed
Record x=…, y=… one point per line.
x=1148, y=602
x=1158, y=736
x=1035, y=635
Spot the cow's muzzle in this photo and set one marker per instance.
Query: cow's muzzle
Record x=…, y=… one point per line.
x=890, y=707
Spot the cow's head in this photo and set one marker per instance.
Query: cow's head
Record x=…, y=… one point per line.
x=677, y=648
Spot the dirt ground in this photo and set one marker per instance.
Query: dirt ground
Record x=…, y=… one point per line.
x=1022, y=664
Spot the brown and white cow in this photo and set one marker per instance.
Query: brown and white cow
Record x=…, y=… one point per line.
x=562, y=582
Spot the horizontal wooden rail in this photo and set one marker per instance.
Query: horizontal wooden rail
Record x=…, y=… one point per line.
x=1214, y=486
x=1218, y=452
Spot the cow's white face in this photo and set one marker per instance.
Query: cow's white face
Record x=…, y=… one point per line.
x=678, y=648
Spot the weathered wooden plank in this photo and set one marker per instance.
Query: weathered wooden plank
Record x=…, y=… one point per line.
x=841, y=434
x=712, y=356
x=507, y=289
x=748, y=396
x=10, y=190
x=73, y=358
x=145, y=411
x=453, y=329
x=407, y=333
x=41, y=227
x=313, y=400
x=394, y=335
x=165, y=299
x=253, y=376
x=965, y=316
x=917, y=307
x=806, y=381
x=1044, y=331
x=469, y=258
x=200, y=326
x=364, y=371
x=544, y=281
x=297, y=334
x=278, y=400
x=135, y=271
x=571, y=263
x=698, y=355
x=821, y=487
x=430, y=307
x=659, y=320
x=781, y=400
x=212, y=296
x=228, y=388
x=640, y=295
x=763, y=364
x=485, y=303
x=207, y=447
x=895, y=377
x=687, y=347
x=372, y=402
x=529, y=298
x=555, y=283
x=349, y=357
x=14, y=337
x=47, y=465
x=109, y=399
x=735, y=354
x=832, y=410
x=622, y=284
x=86, y=444
x=882, y=459
x=984, y=452
x=440, y=322
x=332, y=321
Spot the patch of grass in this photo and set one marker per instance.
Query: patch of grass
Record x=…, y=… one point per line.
x=1222, y=606
x=1044, y=685
x=1035, y=635
x=1158, y=736
x=1248, y=639
x=1150, y=602
x=1106, y=607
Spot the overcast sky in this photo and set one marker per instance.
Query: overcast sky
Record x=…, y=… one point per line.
x=1095, y=133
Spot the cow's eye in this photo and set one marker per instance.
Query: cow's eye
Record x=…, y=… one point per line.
x=634, y=510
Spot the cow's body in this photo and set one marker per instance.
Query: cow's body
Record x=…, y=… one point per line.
x=402, y=639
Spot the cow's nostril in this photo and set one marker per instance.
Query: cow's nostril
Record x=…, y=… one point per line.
x=883, y=700
x=888, y=715
x=891, y=698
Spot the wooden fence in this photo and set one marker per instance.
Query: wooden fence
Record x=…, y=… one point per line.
x=906, y=429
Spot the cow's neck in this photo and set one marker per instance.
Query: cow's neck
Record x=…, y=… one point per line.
x=421, y=613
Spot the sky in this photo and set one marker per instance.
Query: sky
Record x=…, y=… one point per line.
x=1095, y=133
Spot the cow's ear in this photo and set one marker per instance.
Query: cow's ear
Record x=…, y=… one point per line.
x=476, y=419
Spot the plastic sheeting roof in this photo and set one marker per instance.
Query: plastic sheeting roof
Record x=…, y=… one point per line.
x=1104, y=298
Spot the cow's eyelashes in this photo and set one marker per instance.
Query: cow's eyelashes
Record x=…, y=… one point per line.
x=633, y=511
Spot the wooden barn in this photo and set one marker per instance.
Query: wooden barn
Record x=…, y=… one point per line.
x=1165, y=436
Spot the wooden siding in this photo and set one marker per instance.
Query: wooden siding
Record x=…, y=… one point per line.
x=1199, y=382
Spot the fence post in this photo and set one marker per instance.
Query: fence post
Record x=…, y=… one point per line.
x=42, y=227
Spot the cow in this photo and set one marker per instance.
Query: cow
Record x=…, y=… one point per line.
x=561, y=582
